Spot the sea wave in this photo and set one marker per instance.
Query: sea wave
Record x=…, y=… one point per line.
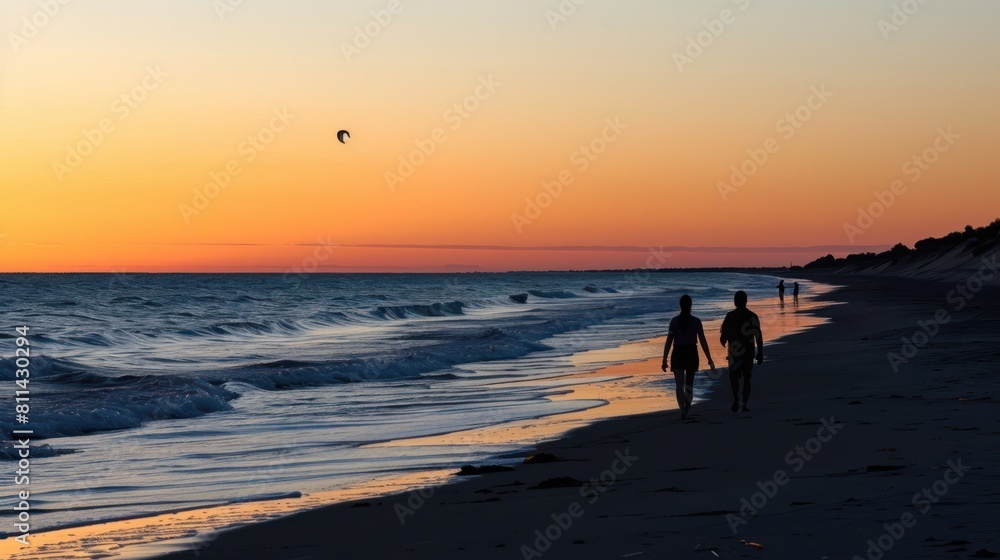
x=597, y=290
x=409, y=311
x=552, y=294
x=98, y=403
x=79, y=400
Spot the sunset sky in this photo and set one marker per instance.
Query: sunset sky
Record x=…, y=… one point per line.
x=642, y=122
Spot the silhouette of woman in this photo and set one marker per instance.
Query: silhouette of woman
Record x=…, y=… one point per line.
x=684, y=334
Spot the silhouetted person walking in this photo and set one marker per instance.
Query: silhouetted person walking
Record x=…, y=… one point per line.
x=684, y=334
x=795, y=293
x=781, y=290
x=740, y=331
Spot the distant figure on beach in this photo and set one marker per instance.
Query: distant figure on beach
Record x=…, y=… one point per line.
x=741, y=332
x=684, y=334
x=781, y=290
x=795, y=293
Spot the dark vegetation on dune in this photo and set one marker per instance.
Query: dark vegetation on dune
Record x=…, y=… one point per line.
x=975, y=241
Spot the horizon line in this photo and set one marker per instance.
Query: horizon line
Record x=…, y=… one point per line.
x=534, y=248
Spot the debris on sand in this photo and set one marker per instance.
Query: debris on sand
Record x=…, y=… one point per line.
x=558, y=482
x=469, y=470
x=540, y=458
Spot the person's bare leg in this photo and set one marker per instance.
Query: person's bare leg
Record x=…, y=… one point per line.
x=746, y=390
x=688, y=392
x=679, y=393
x=734, y=382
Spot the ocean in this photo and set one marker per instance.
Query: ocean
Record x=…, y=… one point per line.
x=153, y=393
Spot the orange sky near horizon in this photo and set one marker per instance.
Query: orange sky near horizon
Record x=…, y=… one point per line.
x=506, y=98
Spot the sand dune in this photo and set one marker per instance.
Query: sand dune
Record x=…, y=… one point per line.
x=952, y=264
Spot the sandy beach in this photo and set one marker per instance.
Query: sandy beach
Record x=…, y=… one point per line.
x=841, y=457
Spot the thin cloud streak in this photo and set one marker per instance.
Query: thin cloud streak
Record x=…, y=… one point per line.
x=553, y=248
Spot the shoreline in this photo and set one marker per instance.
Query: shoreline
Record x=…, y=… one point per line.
x=624, y=387
x=678, y=488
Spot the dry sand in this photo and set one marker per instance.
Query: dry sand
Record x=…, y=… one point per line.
x=840, y=454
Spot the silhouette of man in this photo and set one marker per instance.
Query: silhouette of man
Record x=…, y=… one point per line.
x=740, y=332
x=795, y=292
x=781, y=290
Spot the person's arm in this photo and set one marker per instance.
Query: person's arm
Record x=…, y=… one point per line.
x=666, y=350
x=760, y=341
x=722, y=331
x=704, y=347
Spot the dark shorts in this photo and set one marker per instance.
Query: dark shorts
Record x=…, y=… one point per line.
x=684, y=358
